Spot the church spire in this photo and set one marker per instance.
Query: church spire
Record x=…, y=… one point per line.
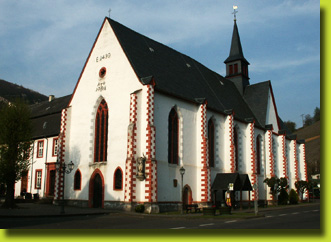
x=236, y=52
x=236, y=63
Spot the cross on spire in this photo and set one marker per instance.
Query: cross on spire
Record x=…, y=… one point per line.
x=234, y=12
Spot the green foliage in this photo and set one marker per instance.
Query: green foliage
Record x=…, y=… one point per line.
x=277, y=185
x=308, y=120
x=15, y=143
x=11, y=92
x=283, y=197
x=140, y=208
x=294, y=197
x=301, y=187
x=316, y=114
x=291, y=126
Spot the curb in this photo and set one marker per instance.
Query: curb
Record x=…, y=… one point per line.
x=142, y=215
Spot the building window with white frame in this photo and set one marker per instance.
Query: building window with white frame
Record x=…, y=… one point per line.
x=55, y=146
x=40, y=151
x=38, y=179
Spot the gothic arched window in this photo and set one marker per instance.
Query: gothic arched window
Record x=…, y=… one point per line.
x=77, y=180
x=258, y=155
x=101, y=133
x=211, y=143
x=173, y=137
x=118, y=179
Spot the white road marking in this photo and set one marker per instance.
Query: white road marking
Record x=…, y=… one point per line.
x=282, y=214
x=202, y=225
x=316, y=210
x=269, y=216
x=232, y=221
x=296, y=213
x=178, y=228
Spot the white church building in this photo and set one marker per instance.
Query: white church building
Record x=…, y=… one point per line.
x=140, y=111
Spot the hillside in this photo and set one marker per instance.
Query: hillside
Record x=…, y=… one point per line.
x=9, y=92
x=311, y=135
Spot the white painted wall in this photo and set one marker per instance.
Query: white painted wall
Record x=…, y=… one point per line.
x=166, y=172
x=119, y=81
x=38, y=163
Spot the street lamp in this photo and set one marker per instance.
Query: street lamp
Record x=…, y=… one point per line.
x=182, y=172
x=65, y=169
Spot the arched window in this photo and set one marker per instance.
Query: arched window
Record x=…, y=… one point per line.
x=236, y=150
x=77, y=180
x=211, y=143
x=258, y=155
x=101, y=133
x=173, y=137
x=118, y=179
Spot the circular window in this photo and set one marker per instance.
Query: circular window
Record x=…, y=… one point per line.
x=102, y=72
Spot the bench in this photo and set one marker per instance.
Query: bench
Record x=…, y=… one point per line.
x=189, y=207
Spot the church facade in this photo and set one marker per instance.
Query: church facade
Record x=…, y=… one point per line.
x=140, y=111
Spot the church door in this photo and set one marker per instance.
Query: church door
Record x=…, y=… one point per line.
x=187, y=196
x=97, y=191
x=24, y=183
x=51, y=183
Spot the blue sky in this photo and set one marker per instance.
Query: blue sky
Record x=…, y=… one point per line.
x=44, y=44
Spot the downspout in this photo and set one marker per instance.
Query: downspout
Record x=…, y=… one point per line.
x=32, y=167
x=44, y=193
x=265, y=172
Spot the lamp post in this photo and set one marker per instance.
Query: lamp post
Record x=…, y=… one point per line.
x=255, y=200
x=64, y=167
x=182, y=172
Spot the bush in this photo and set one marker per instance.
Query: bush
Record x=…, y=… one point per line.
x=283, y=197
x=140, y=208
x=294, y=197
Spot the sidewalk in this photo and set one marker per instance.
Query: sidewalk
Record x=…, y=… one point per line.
x=47, y=210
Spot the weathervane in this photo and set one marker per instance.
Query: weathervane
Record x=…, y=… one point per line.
x=109, y=12
x=234, y=12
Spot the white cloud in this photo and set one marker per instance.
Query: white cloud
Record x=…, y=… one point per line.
x=50, y=40
x=267, y=65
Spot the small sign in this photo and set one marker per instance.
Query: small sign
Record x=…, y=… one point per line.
x=230, y=186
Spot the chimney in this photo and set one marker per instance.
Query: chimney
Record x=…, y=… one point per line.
x=51, y=98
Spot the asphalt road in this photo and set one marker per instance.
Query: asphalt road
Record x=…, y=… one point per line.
x=293, y=218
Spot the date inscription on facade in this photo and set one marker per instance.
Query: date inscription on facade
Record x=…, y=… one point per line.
x=101, y=87
x=102, y=57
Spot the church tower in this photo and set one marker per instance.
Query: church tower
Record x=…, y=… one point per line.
x=236, y=64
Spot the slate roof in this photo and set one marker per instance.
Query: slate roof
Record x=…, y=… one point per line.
x=179, y=75
x=46, y=117
x=47, y=108
x=240, y=181
x=236, y=52
x=256, y=96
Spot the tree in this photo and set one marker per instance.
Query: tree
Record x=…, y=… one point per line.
x=316, y=114
x=308, y=120
x=301, y=187
x=15, y=143
x=276, y=185
x=283, y=195
x=291, y=126
x=293, y=197
x=273, y=183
